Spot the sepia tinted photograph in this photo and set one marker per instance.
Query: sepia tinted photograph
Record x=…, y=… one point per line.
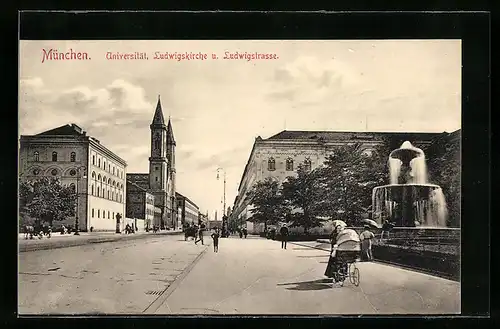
x=271, y=177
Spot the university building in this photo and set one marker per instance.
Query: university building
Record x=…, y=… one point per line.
x=188, y=210
x=279, y=156
x=95, y=172
x=160, y=181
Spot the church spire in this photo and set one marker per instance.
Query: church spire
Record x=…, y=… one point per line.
x=158, y=118
x=170, y=132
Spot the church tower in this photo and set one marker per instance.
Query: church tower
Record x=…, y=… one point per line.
x=171, y=170
x=158, y=163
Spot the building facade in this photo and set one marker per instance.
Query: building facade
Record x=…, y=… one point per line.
x=97, y=174
x=189, y=211
x=140, y=204
x=279, y=156
x=160, y=181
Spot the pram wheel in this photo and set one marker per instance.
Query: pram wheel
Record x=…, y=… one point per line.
x=354, y=275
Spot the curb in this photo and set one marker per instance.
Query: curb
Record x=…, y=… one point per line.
x=158, y=302
x=82, y=242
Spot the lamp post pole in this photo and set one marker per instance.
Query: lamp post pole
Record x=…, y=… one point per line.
x=224, y=195
x=77, y=229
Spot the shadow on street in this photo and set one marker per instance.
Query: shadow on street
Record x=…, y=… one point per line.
x=319, y=284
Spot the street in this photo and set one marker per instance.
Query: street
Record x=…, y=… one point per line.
x=166, y=275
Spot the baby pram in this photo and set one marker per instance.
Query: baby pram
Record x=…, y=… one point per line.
x=343, y=258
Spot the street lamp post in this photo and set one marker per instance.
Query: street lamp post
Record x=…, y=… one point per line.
x=224, y=205
x=77, y=229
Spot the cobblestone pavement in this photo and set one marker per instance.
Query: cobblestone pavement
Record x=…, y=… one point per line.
x=125, y=276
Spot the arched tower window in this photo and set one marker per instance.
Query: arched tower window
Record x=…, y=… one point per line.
x=99, y=163
x=93, y=160
x=271, y=164
x=37, y=156
x=72, y=157
x=93, y=174
x=54, y=156
x=307, y=164
x=289, y=164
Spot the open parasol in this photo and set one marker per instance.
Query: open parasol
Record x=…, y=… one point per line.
x=338, y=222
x=371, y=223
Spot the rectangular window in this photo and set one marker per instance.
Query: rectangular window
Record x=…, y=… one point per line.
x=98, y=213
x=113, y=214
x=108, y=214
x=92, y=212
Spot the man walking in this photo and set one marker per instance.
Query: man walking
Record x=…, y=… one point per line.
x=200, y=236
x=366, y=238
x=215, y=237
x=284, y=236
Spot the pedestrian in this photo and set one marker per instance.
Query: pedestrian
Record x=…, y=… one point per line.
x=240, y=231
x=245, y=232
x=366, y=238
x=386, y=228
x=284, y=236
x=215, y=237
x=200, y=236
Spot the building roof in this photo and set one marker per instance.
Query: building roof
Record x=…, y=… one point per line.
x=73, y=130
x=158, y=118
x=349, y=135
x=178, y=195
x=68, y=129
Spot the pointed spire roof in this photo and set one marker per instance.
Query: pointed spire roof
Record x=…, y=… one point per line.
x=158, y=118
x=170, y=131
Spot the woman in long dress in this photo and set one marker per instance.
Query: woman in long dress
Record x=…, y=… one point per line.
x=331, y=268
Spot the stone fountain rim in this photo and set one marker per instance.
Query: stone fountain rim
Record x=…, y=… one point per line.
x=409, y=184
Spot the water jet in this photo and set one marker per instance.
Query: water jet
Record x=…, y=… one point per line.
x=409, y=200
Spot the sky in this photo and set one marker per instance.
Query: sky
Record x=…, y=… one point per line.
x=218, y=107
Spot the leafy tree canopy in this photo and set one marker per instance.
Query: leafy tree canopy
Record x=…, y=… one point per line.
x=267, y=201
x=46, y=199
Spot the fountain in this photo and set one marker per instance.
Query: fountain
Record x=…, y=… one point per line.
x=409, y=200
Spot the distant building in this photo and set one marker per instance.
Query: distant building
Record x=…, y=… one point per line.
x=68, y=153
x=141, y=205
x=188, y=209
x=212, y=224
x=278, y=157
x=160, y=181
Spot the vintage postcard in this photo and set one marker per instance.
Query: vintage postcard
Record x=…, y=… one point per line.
x=239, y=177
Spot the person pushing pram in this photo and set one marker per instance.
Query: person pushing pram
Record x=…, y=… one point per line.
x=345, y=250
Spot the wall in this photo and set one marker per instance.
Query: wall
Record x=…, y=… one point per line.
x=63, y=168
x=105, y=175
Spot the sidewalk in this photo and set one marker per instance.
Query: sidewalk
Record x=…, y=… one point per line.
x=58, y=240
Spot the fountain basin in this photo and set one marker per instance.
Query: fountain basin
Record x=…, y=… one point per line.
x=409, y=205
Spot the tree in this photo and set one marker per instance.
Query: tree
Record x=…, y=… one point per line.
x=304, y=192
x=444, y=170
x=47, y=200
x=347, y=181
x=267, y=201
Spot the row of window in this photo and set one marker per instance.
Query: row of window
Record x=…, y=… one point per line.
x=271, y=164
x=110, y=195
x=72, y=156
x=102, y=214
x=106, y=180
x=53, y=172
x=108, y=167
